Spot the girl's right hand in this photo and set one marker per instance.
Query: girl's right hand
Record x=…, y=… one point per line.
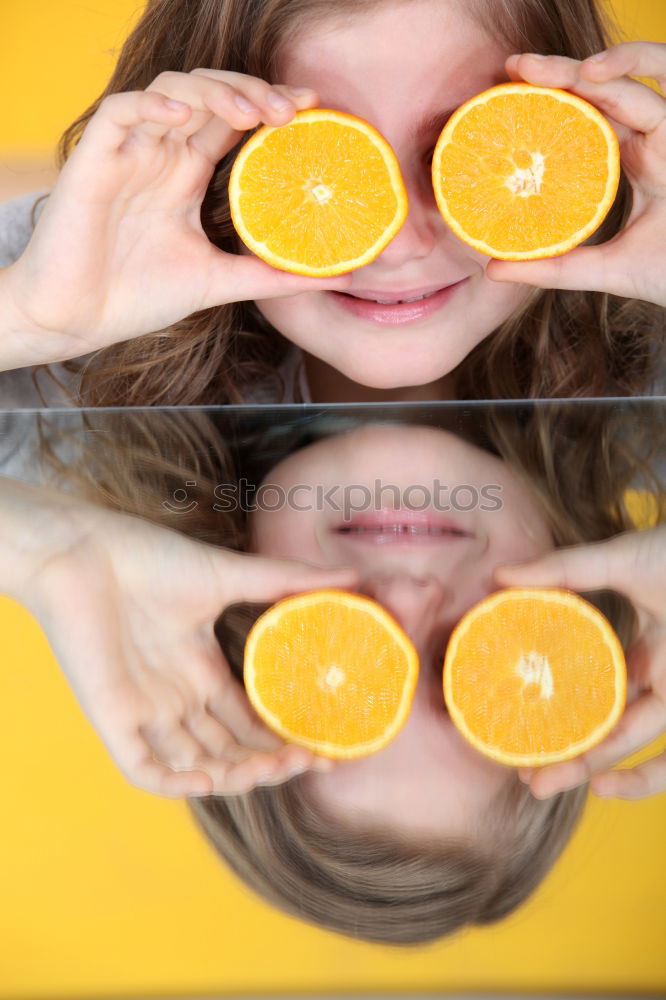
x=119, y=250
x=129, y=608
x=633, y=564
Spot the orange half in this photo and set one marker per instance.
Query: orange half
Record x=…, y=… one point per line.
x=523, y=172
x=320, y=196
x=534, y=676
x=331, y=671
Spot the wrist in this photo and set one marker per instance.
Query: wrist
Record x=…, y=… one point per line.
x=22, y=341
x=36, y=526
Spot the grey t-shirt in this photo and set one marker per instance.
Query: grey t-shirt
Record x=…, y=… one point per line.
x=17, y=388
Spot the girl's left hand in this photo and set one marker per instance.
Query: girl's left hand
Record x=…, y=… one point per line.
x=633, y=564
x=633, y=263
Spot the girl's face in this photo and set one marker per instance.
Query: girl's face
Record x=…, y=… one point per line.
x=404, y=67
x=427, y=567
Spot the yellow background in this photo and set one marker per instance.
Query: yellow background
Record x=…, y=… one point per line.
x=57, y=56
x=105, y=890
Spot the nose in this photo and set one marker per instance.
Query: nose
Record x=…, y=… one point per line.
x=417, y=603
x=423, y=227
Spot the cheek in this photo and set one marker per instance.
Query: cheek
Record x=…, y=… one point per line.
x=522, y=539
x=285, y=534
x=503, y=298
x=293, y=317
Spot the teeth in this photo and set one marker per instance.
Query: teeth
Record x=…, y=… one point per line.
x=395, y=302
x=397, y=529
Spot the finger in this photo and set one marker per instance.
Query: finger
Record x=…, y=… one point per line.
x=624, y=100
x=240, y=102
x=633, y=783
x=646, y=658
x=262, y=769
x=243, y=277
x=155, y=777
x=597, y=566
x=645, y=59
x=643, y=721
x=213, y=139
x=581, y=269
x=213, y=738
x=109, y=128
x=259, y=580
x=230, y=706
x=630, y=563
x=171, y=744
x=135, y=760
x=276, y=104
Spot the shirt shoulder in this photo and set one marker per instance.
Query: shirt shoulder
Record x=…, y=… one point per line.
x=17, y=221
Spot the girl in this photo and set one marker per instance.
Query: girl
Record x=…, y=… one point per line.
x=134, y=257
x=433, y=836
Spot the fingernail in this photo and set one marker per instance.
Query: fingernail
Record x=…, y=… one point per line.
x=536, y=55
x=296, y=769
x=597, y=57
x=301, y=91
x=176, y=105
x=247, y=106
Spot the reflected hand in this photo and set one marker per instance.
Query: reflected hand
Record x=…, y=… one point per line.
x=633, y=564
x=633, y=263
x=129, y=609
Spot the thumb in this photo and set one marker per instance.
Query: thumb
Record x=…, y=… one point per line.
x=241, y=277
x=580, y=567
x=257, y=579
x=583, y=268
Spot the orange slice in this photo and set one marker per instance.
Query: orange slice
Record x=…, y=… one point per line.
x=534, y=676
x=331, y=671
x=522, y=172
x=320, y=196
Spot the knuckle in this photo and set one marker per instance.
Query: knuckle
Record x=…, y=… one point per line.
x=113, y=102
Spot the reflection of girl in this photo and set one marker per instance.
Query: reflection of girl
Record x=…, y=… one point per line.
x=436, y=835
x=403, y=846
x=136, y=235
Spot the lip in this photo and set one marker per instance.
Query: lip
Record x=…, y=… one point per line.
x=361, y=303
x=401, y=527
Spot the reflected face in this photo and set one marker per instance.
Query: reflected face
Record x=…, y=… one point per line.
x=427, y=567
x=404, y=67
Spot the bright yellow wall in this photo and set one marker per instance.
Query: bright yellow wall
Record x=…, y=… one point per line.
x=57, y=55
x=105, y=890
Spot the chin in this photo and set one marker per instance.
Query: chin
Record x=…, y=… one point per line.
x=396, y=378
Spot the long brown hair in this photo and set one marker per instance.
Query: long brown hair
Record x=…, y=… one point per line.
x=557, y=344
x=578, y=460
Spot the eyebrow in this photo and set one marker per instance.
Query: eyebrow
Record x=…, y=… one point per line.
x=432, y=124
